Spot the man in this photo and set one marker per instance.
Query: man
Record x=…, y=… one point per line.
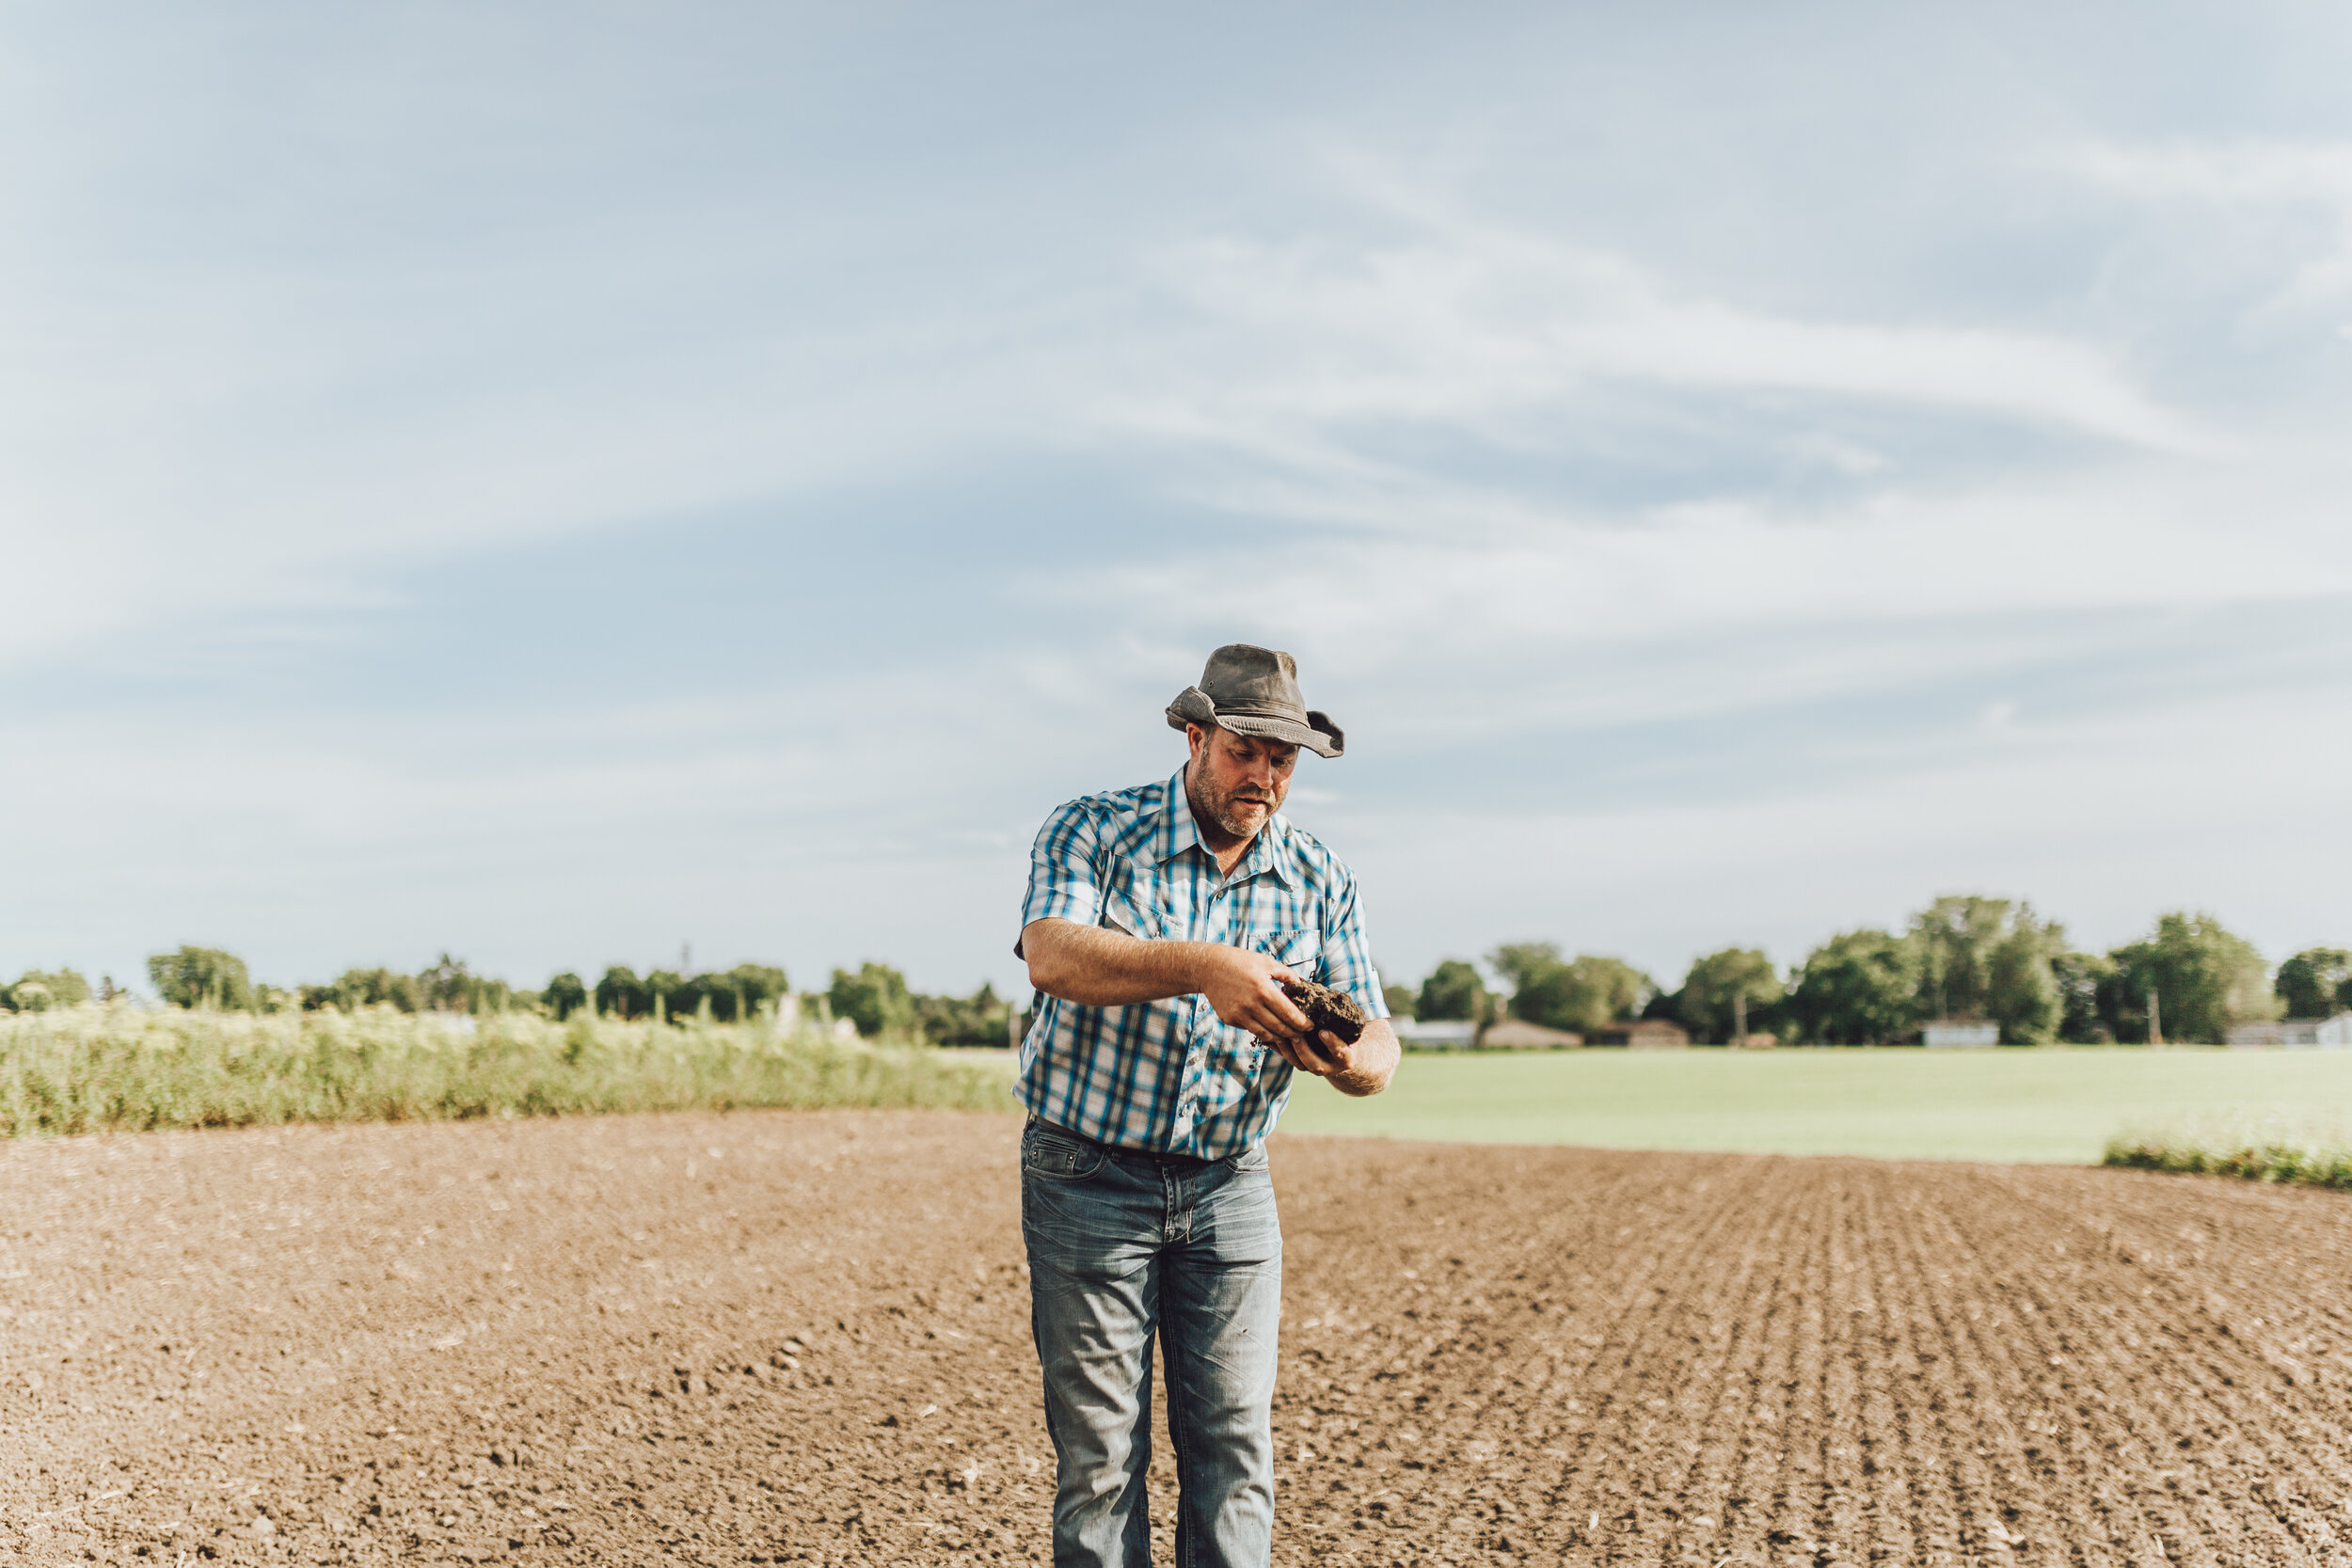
x=1160, y=924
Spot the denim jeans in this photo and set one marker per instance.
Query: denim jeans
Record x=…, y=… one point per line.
x=1123, y=1246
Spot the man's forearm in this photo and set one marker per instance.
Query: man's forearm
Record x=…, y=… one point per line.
x=1098, y=968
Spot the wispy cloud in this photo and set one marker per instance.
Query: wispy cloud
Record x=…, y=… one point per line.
x=2247, y=177
x=1321, y=360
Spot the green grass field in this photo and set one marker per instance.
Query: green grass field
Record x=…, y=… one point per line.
x=2049, y=1105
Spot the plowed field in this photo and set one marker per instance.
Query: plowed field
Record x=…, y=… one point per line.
x=777, y=1337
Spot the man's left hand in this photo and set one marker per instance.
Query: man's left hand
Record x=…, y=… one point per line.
x=1363, y=1068
x=1322, y=1052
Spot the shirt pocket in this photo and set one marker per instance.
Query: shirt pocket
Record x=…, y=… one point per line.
x=1298, y=949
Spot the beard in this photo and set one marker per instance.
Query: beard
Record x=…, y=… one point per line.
x=1230, y=808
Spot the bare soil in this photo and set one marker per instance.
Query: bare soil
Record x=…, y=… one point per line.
x=529, y=1340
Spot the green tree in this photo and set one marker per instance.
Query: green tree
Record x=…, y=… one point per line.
x=2315, y=983
x=203, y=977
x=565, y=995
x=2204, y=978
x=727, y=996
x=621, y=994
x=1718, y=982
x=448, y=985
x=1989, y=958
x=669, y=995
x=1583, y=994
x=2022, y=990
x=355, y=989
x=982, y=1019
x=875, y=999
x=1453, y=992
x=1520, y=963
x=39, y=991
x=2086, y=987
x=1859, y=988
x=748, y=989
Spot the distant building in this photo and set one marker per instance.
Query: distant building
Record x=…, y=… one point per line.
x=1437, y=1034
x=1967, y=1032
x=1513, y=1034
x=1643, y=1033
x=2296, y=1034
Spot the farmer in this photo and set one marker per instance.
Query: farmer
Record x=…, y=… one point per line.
x=1159, y=926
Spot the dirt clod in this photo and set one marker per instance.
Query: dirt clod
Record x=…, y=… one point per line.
x=1326, y=1009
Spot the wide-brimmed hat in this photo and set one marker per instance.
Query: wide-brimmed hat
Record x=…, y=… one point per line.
x=1254, y=691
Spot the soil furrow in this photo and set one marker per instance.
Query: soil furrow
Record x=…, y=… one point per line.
x=778, y=1338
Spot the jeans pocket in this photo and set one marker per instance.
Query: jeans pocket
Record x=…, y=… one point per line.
x=1250, y=1159
x=1060, y=1156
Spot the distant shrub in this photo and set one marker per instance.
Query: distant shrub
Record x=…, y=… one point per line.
x=875, y=999
x=203, y=977
x=37, y=991
x=2273, y=1151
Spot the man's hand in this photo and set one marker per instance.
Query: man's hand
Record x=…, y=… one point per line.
x=1362, y=1068
x=1245, y=988
x=1096, y=968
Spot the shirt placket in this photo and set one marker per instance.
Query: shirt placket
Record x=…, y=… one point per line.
x=1212, y=921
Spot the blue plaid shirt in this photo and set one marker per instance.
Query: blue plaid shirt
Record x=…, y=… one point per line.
x=1170, y=1076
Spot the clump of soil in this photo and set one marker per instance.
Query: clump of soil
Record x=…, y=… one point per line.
x=1326, y=1009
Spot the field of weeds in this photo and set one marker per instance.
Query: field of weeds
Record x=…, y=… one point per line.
x=2307, y=1154
x=97, y=1068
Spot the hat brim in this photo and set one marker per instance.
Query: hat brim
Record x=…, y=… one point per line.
x=1317, y=734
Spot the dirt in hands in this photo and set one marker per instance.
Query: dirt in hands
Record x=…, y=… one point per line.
x=1329, y=1009
x=779, y=1337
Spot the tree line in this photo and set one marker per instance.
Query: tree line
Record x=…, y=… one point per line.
x=1991, y=960
x=874, y=999
x=1988, y=960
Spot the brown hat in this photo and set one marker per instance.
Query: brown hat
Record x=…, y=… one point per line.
x=1254, y=691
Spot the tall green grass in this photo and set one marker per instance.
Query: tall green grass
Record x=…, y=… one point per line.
x=2266, y=1150
x=114, y=1067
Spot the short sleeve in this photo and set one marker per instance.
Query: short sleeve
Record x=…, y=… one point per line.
x=1063, y=883
x=1346, y=956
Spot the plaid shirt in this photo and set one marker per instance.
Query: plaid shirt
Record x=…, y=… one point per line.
x=1170, y=1076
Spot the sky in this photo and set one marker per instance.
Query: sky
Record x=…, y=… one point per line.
x=574, y=485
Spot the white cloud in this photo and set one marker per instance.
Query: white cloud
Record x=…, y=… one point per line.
x=1898, y=590
x=2248, y=171
x=2244, y=177
x=1311, y=353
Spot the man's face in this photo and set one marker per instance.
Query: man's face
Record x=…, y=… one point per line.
x=1237, y=782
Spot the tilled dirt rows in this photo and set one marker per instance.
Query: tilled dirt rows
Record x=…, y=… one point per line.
x=781, y=1338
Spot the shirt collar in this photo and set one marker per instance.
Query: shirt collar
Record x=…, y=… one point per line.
x=1268, y=851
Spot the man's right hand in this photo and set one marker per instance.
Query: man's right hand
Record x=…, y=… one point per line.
x=1245, y=988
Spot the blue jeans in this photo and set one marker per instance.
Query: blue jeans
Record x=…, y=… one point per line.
x=1123, y=1244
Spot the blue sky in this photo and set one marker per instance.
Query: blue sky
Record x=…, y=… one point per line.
x=557, y=483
